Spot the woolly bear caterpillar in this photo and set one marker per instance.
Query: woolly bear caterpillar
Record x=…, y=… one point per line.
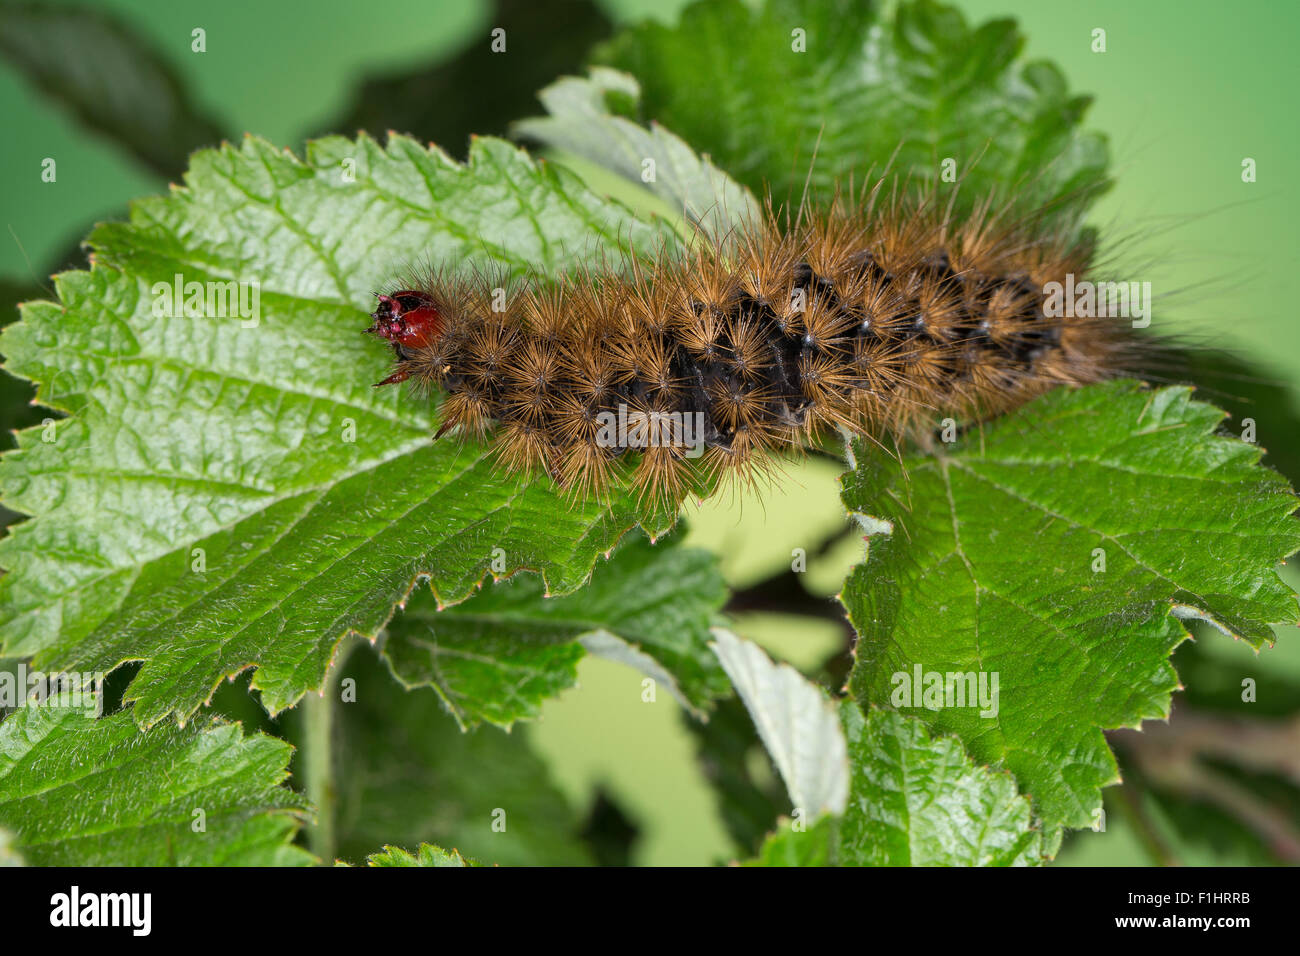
x=679, y=372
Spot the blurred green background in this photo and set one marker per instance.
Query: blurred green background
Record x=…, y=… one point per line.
x=1185, y=91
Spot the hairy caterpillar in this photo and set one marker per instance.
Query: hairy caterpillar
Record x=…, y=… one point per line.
x=672, y=374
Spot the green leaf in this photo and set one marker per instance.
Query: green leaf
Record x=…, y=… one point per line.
x=906, y=799
x=582, y=123
x=112, y=80
x=16, y=407
x=984, y=559
x=730, y=80
x=796, y=722
x=406, y=774
x=918, y=800
x=790, y=847
x=227, y=497
x=914, y=800
x=497, y=656
x=425, y=855
x=81, y=791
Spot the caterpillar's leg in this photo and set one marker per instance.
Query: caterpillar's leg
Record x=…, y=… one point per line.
x=401, y=375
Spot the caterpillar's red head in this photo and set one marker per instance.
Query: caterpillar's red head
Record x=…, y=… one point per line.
x=410, y=320
x=407, y=318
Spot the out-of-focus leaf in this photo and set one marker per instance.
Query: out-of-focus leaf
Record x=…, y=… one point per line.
x=609, y=833
x=1195, y=822
x=1213, y=684
x=8, y=855
x=110, y=78
x=725, y=746
x=479, y=91
x=1226, y=780
x=406, y=774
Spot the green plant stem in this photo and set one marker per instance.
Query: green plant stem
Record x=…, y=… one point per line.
x=1130, y=805
x=317, y=758
x=318, y=725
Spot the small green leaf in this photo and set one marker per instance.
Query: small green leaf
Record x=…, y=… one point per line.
x=425, y=855
x=921, y=801
x=760, y=90
x=497, y=656
x=787, y=846
x=233, y=494
x=81, y=791
x=1057, y=549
